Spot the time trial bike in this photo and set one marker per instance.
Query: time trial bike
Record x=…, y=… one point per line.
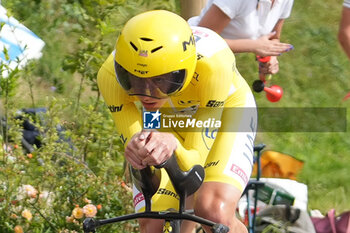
x=185, y=183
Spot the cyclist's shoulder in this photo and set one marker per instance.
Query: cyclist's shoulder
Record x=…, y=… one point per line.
x=208, y=42
x=106, y=73
x=108, y=84
x=214, y=59
x=107, y=67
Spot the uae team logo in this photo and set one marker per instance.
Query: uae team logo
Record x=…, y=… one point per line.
x=151, y=120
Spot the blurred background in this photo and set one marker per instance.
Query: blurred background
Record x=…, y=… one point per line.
x=81, y=163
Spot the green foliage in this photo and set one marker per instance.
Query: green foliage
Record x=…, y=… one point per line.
x=8, y=76
x=43, y=191
x=73, y=168
x=78, y=34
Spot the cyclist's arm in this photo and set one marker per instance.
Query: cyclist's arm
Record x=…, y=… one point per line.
x=194, y=147
x=124, y=112
x=213, y=88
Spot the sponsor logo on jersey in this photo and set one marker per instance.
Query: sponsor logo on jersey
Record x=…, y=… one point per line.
x=123, y=139
x=164, y=191
x=138, y=198
x=196, y=76
x=200, y=33
x=114, y=108
x=212, y=164
x=208, y=136
x=215, y=103
x=211, y=133
x=239, y=171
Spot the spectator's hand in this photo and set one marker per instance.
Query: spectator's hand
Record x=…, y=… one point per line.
x=158, y=148
x=265, y=46
x=270, y=67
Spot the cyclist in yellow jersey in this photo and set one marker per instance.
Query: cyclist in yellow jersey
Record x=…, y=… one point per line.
x=162, y=63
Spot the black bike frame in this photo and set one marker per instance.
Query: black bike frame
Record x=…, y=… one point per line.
x=185, y=183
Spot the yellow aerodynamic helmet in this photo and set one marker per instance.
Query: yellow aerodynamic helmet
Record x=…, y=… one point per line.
x=155, y=54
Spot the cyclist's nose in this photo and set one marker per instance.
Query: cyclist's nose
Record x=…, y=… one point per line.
x=150, y=88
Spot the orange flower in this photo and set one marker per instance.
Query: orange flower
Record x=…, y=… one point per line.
x=99, y=206
x=30, y=155
x=30, y=190
x=90, y=210
x=126, y=187
x=78, y=212
x=27, y=214
x=18, y=229
x=69, y=218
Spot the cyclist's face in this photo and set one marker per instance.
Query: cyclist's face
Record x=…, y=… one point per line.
x=151, y=104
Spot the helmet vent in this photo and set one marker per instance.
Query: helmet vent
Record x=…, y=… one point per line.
x=146, y=39
x=156, y=49
x=134, y=46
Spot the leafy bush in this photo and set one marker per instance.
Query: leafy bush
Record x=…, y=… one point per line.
x=43, y=191
x=81, y=32
x=78, y=171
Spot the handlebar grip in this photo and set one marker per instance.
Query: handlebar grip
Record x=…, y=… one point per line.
x=184, y=182
x=90, y=225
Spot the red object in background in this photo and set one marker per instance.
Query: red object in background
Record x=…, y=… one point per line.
x=245, y=219
x=346, y=97
x=263, y=59
x=273, y=93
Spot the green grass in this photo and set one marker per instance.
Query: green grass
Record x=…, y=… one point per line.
x=315, y=74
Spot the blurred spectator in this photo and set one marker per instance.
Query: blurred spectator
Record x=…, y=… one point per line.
x=190, y=8
x=344, y=28
x=249, y=26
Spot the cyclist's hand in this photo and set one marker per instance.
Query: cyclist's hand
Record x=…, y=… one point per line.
x=270, y=67
x=159, y=147
x=265, y=46
x=132, y=154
